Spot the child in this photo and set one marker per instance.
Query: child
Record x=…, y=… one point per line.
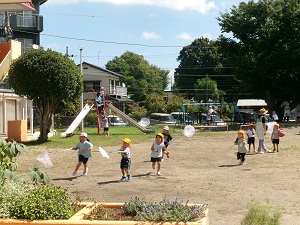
x=242, y=149
x=251, y=136
x=167, y=139
x=157, y=152
x=84, y=148
x=105, y=125
x=125, y=161
x=275, y=137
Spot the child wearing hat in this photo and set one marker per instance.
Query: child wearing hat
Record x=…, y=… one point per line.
x=251, y=136
x=167, y=139
x=275, y=137
x=157, y=149
x=84, y=148
x=242, y=149
x=125, y=161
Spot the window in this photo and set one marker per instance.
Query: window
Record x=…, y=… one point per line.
x=26, y=19
x=88, y=85
x=26, y=44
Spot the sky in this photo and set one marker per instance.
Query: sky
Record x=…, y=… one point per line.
x=104, y=29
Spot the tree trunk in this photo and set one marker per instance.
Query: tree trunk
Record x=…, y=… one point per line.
x=45, y=113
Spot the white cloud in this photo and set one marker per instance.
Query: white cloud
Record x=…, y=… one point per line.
x=184, y=36
x=201, y=6
x=150, y=35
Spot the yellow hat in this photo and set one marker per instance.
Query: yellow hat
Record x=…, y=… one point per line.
x=160, y=134
x=242, y=132
x=263, y=111
x=127, y=140
x=277, y=124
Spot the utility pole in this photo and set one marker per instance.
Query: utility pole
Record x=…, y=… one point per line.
x=81, y=97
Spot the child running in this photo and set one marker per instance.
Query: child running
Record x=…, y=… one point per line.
x=84, y=148
x=167, y=139
x=125, y=161
x=105, y=125
x=275, y=137
x=242, y=149
x=251, y=136
x=157, y=151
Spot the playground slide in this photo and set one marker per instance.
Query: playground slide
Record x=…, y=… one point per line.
x=128, y=119
x=77, y=120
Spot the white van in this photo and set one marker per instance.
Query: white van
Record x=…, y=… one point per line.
x=162, y=118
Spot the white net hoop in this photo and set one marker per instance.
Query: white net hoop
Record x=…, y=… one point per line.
x=45, y=159
x=144, y=122
x=189, y=131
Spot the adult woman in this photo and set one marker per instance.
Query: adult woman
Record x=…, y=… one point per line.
x=261, y=130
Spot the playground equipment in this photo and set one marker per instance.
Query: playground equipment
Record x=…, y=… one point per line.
x=106, y=104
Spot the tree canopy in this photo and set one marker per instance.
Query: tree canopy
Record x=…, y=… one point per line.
x=48, y=78
x=202, y=59
x=265, y=48
x=141, y=78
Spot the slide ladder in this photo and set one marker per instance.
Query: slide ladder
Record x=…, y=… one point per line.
x=129, y=119
x=77, y=120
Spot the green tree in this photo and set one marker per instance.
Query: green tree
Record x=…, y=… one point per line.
x=155, y=103
x=207, y=88
x=265, y=48
x=198, y=60
x=141, y=78
x=48, y=78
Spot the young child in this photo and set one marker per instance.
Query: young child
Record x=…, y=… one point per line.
x=105, y=125
x=157, y=149
x=275, y=137
x=125, y=161
x=242, y=149
x=251, y=136
x=84, y=148
x=167, y=139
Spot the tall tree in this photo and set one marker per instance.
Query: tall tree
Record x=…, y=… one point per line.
x=48, y=78
x=265, y=48
x=141, y=78
x=202, y=59
x=206, y=89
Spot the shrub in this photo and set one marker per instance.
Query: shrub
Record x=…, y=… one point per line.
x=262, y=215
x=43, y=203
x=10, y=193
x=165, y=210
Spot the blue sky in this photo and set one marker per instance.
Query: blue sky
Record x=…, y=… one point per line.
x=156, y=29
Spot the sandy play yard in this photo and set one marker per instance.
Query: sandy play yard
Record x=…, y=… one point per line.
x=202, y=169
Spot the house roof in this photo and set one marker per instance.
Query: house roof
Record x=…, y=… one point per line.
x=102, y=69
x=251, y=102
x=121, y=99
x=16, y=5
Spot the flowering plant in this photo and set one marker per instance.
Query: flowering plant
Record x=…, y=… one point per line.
x=171, y=211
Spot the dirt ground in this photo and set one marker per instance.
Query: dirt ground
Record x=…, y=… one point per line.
x=201, y=169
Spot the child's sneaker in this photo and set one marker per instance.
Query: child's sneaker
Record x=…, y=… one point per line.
x=168, y=154
x=243, y=163
x=74, y=173
x=123, y=178
x=85, y=172
x=158, y=173
x=129, y=176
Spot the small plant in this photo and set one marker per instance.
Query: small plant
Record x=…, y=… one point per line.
x=43, y=202
x=8, y=153
x=262, y=215
x=171, y=211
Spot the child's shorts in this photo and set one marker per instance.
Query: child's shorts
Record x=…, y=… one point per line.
x=125, y=163
x=158, y=159
x=82, y=159
x=275, y=141
x=251, y=140
x=105, y=128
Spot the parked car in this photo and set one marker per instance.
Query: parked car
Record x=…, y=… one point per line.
x=116, y=121
x=216, y=121
x=245, y=117
x=179, y=117
x=162, y=118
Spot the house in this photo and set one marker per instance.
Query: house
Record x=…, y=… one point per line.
x=23, y=25
x=95, y=77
